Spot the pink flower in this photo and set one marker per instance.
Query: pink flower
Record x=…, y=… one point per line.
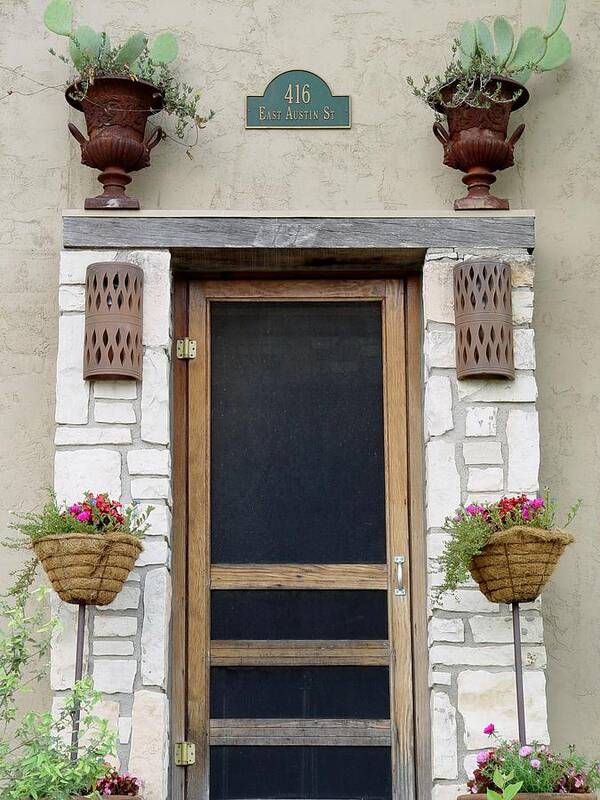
x=483, y=757
x=474, y=510
x=85, y=516
x=74, y=509
x=535, y=763
x=489, y=729
x=525, y=751
x=538, y=502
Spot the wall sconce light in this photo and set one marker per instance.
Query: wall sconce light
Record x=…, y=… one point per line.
x=113, y=321
x=483, y=315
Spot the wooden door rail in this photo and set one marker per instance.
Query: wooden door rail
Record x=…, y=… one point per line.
x=300, y=652
x=305, y=732
x=298, y=576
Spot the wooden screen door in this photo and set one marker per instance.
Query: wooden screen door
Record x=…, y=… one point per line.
x=299, y=637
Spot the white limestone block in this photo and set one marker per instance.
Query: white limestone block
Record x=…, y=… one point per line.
x=443, y=482
x=481, y=421
x=492, y=656
x=64, y=644
x=71, y=298
x=524, y=348
x=444, y=737
x=446, y=630
x=157, y=295
x=74, y=263
x=466, y=601
x=115, y=434
x=523, y=437
x=149, y=461
x=105, y=411
x=485, y=480
x=124, y=726
x=499, y=629
x=485, y=697
x=447, y=791
x=156, y=551
x=155, y=397
x=522, y=390
x=149, y=742
x=113, y=625
x=438, y=406
x=439, y=349
x=148, y=488
x=72, y=392
x=96, y=469
x=112, y=647
x=114, y=675
x=128, y=597
x=438, y=295
x=159, y=520
x=115, y=390
x=437, y=678
x=522, y=306
x=155, y=629
x=482, y=452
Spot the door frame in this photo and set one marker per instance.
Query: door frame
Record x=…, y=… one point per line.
x=409, y=314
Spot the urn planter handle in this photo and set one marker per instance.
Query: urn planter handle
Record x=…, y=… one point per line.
x=77, y=134
x=441, y=134
x=517, y=133
x=154, y=138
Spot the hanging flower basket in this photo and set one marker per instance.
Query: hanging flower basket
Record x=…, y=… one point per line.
x=516, y=563
x=88, y=567
x=536, y=796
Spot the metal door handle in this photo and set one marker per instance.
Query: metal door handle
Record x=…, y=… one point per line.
x=399, y=591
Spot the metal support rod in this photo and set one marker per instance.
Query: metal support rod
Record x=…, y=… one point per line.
x=78, y=676
x=516, y=616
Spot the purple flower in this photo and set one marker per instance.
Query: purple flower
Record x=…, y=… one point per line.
x=525, y=751
x=483, y=757
x=85, y=516
x=535, y=763
x=538, y=502
x=489, y=729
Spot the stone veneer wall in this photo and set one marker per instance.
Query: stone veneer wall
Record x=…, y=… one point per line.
x=481, y=441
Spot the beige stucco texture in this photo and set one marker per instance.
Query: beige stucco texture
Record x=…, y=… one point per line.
x=388, y=161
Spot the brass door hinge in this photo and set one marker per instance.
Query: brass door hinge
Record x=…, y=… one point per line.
x=185, y=754
x=186, y=349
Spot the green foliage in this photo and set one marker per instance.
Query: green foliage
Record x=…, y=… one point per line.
x=558, y=51
x=529, y=50
x=58, y=17
x=35, y=759
x=133, y=48
x=556, y=14
x=504, y=38
x=55, y=519
x=93, y=56
x=85, y=45
x=507, y=790
x=164, y=50
x=37, y=762
x=484, y=39
x=478, y=59
x=468, y=43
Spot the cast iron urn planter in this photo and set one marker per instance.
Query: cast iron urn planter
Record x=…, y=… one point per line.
x=476, y=142
x=116, y=111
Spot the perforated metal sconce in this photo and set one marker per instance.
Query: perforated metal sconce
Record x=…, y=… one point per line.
x=113, y=321
x=483, y=314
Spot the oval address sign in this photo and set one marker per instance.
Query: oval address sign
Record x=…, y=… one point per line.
x=298, y=99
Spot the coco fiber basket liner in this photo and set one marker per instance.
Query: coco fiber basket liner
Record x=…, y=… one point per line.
x=88, y=567
x=515, y=564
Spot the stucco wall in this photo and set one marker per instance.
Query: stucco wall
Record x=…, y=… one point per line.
x=389, y=160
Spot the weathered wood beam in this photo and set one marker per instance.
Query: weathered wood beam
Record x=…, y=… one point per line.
x=452, y=230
